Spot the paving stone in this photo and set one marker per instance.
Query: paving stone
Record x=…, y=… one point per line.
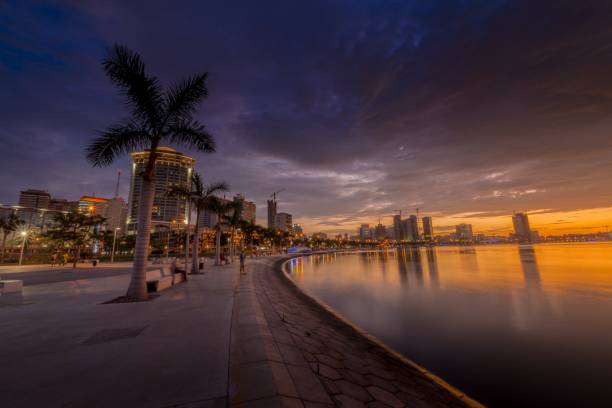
x=278, y=401
x=291, y=354
x=353, y=390
x=332, y=362
x=330, y=386
x=377, y=404
x=258, y=349
x=354, y=377
x=308, y=385
x=325, y=371
x=345, y=401
x=382, y=373
x=385, y=396
x=379, y=382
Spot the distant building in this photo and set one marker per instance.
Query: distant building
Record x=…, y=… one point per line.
x=171, y=169
x=284, y=222
x=364, y=232
x=427, y=228
x=297, y=230
x=380, y=232
x=535, y=236
x=319, y=235
x=464, y=232
x=209, y=219
x=414, y=227
x=34, y=199
x=522, y=231
x=397, y=228
x=271, y=214
x=248, y=209
x=93, y=205
x=59, y=204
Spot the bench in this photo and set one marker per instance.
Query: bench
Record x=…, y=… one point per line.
x=10, y=286
x=157, y=281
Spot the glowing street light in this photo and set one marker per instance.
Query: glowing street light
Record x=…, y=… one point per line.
x=24, y=234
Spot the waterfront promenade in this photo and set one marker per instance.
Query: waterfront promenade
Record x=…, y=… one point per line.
x=220, y=339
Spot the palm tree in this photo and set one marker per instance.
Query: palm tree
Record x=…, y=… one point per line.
x=199, y=195
x=234, y=220
x=218, y=207
x=156, y=117
x=8, y=226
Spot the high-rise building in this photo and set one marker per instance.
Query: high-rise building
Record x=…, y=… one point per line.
x=60, y=204
x=521, y=227
x=34, y=199
x=414, y=227
x=116, y=214
x=427, y=228
x=171, y=169
x=209, y=219
x=364, y=232
x=380, y=232
x=297, y=230
x=464, y=232
x=248, y=209
x=93, y=205
x=397, y=228
x=271, y=214
x=284, y=222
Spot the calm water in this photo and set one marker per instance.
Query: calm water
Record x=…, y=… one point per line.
x=510, y=326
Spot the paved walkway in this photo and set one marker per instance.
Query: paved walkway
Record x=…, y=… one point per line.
x=219, y=340
x=315, y=359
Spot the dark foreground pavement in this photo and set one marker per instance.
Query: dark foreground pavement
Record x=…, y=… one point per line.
x=219, y=340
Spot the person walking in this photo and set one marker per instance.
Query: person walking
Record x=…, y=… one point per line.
x=242, y=271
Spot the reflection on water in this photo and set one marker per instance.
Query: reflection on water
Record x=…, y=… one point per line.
x=512, y=326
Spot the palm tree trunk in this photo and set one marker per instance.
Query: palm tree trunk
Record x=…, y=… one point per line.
x=231, y=247
x=195, y=264
x=4, y=234
x=218, y=245
x=138, y=282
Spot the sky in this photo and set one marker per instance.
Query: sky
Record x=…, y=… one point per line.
x=468, y=110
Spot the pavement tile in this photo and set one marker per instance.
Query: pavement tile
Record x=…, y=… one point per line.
x=345, y=401
x=332, y=362
x=292, y=355
x=354, y=377
x=385, y=396
x=379, y=382
x=353, y=390
x=278, y=401
x=308, y=385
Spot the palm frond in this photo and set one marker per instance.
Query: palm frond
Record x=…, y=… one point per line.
x=127, y=70
x=192, y=134
x=183, y=98
x=196, y=184
x=216, y=187
x=122, y=138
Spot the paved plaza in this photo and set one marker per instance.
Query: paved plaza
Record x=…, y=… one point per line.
x=221, y=339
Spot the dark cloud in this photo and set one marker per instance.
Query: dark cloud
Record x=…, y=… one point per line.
x=356, y=108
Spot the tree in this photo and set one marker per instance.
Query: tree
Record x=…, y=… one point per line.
x=75, y=231
x=8, y=226
x=234, y=220
x=157, y=117
x=219, y=207
x=199, y=195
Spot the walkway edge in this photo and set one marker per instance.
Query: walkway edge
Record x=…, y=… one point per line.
x=280, y=268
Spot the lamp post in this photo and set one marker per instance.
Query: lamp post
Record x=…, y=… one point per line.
x=114, y=242
x=24, y=234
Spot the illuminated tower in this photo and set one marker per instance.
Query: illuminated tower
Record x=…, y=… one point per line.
x=171, y=169
x=521, y=227
x=427, y=228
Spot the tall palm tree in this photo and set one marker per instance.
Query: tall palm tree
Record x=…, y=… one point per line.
x=234, y=220
x=157, y=117
x=199, y=195
x=8, y=226
x=218, y=207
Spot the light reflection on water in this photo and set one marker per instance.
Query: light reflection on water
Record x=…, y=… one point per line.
x=511, y=326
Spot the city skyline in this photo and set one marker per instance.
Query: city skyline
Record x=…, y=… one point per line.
x=524, y=127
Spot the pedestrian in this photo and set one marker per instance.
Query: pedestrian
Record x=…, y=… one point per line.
x=65, y=258
x=94, y=262
x=242, y=271
x=53, y=259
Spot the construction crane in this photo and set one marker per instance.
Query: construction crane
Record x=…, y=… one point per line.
x=273, y=195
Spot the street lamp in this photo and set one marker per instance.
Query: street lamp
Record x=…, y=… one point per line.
x=114, y=241
x=24, y=234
